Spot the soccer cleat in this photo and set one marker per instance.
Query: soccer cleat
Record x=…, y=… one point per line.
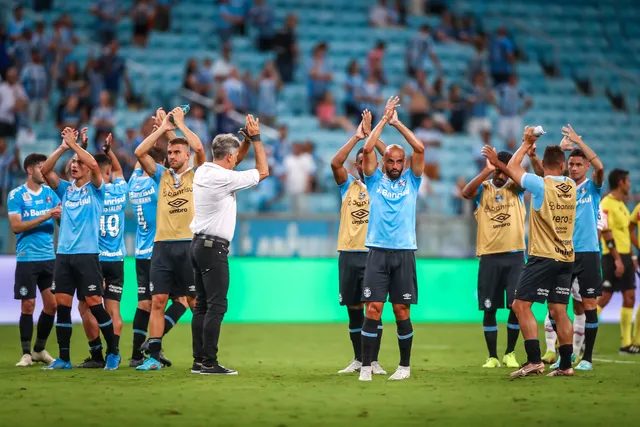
x=402, y=373
x=90, y=363
x=216, y=370
x=41, y=356
x=377, y=369
x=113, y=362
x=549, y=357
x=561, y=373
x=584, y=365
x=134, y=363
x=528, y=369
x=196, y=367
x=510, y=360
x=354, y=366
x=491, y=362
x=150, y=364
x=25, y=361
x=165, y=362
x=365, y=373
x=58, y=364
x=630, y=349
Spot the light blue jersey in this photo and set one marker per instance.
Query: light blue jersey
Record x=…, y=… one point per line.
x=585, y=233
x=112, y=221
x=392, y=216
x=143, y=194
x=80, y=222
x=35, y=244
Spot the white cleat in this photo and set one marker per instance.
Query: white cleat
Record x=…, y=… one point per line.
x=365, y=373
x=354, y=366
x=377, y=369
x=25, y=361
x=42, y=356
x=402, y=373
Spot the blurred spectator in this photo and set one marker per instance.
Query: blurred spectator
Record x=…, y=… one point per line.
x=36, y=84
x=103, y=118
x=319, y=75
x=108, y=13
x=446, y=31
x=262, y=16
x=236, y=91
x=461, y=206
x=501, y=56
x=223, y=66
x=286, y=48
x=457, y=109
x=479, y=101
x=94, y=80
x=70, y=114
x=268, y=86
x=431, y=137
x=375, y=62
x=440, y=105
x=13, y=102
x=41, y=41
x=20, y=49
x=9, y=165
x=113, y=69
x=418, y=90
x=227, y=19
x=70, y=80
x=269, y=192
x=352, y=88
x=17, y=23
x=479, y=63
x=382, y=15
x=478, y=158
x=142, y=15
x=328, y=116
x=222, y=108
x=5, y=61
x=190, y=80
x=371, y=96
x=420, y=47
x=400, y=7
x=204, y=77
x=512, y=103
x=467, y=31
x=163, y=14
x=42, y=5
x=63, y=40
x=299, y=171
x=125, y=150
x=196, y=120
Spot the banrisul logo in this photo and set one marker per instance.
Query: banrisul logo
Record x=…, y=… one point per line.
x=500, y=218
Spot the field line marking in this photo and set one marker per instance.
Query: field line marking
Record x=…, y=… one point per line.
x=629, y=362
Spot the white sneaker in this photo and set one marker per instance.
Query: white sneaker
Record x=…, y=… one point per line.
x=42, y=356
x=25, y=361
x=354, y=366
x=402, y=373
x=365, y=373
x=377, y=369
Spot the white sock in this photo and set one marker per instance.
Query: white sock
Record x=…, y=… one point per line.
x=578, y=332
x=550, y=335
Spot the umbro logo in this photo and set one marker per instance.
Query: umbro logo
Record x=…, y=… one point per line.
x=406, y=296
x=92, y=288
x=176, y=203
x=500, y=218
x=564, y=187
x=360, y=214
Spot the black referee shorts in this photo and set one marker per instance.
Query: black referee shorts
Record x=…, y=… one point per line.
x=390, y=273
x=611, y=283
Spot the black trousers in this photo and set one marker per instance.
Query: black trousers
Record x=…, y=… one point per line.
x=211, y=273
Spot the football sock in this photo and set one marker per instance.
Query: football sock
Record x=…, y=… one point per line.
x=405, y=340
x=565, y=351
x=95, y=348
x=26, y=332
x=376, y=352
x=513, y=331
x=45, y=324
x=63, y=331
x=140, y=325
x=590, y=332
x=172, y=315
x=490, y=327
x=636, y=332
x=626, y=319
x=369, y=336
x=356, y=318
x=106, y=327
x=578, y=332
x=155, y=346
x=550, y=335
x=532, y=348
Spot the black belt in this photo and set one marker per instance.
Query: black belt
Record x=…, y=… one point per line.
x=215, y=239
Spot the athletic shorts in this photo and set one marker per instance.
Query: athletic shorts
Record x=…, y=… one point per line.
x=113, y=274
x=143, y=267
x=545, y=279
x=586, y=270
x=611, y=283
x=498, y=274
x=351, y=275
x=77, y=272
x=171, y=271
x=390, y=273
x=30, y=274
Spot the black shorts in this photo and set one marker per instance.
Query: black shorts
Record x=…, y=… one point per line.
x=498, y=273
x=611, y=283
x=113, y=274
x=143, y=267
x=171, y=271
x=586, y=268
x=77, y=272
x=30, y=274
x=393, y=273
x=351, y=275
x=545, y=279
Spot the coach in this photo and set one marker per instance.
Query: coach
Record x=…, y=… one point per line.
x=214, y=187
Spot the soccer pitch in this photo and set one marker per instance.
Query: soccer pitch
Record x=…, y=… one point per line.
x=287, y=377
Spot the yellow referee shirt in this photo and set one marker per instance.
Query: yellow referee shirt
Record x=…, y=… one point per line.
x=618, y=218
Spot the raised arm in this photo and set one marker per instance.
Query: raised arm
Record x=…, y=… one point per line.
x=48, y=167
x=370, y=162
x=116, y=168
x=417, y=158
x=536, y=162
x=366, y=130
x=71, y=139
x=142, y=151
x=514, y=169
x=471, y=189
x=340, y=173
x=253, y=131
x=170, y=133
x=598, y=166
x=191, y=137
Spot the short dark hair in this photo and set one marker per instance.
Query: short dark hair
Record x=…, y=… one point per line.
x=615, y=176
x=32, y=160
x=157, y=154
x=102, y=159
x=179, y=140
x=360, y=151
x=576, y=152
x=504, y=156
x=553, y=156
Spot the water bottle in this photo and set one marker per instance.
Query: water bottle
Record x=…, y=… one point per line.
x=185, y=109
x=538, y=131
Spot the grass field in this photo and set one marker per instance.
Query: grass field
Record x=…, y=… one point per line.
x=287, y=378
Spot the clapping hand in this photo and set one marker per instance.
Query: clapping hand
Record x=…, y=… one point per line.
x=252, y=125
x=69, y=137
x=570, y=134
x=84, y=138
x=490, y=154
x=107, y=144
x=392, y=103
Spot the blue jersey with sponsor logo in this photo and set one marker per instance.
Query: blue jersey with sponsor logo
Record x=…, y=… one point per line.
x=80, y=222
x=35, y=244
x=143, y=194
x=585, y=233
x=392, y=213
x=111, y=241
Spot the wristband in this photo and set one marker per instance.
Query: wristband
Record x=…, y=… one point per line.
x=254, y=138
x=611, y=244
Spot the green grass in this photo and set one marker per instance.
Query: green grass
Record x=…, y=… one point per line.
x=287, y=378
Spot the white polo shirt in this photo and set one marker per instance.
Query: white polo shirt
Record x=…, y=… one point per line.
x=214, y=198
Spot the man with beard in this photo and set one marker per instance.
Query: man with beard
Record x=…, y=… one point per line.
x=171, y=274
x=354, y=218
x=391, y=238
x=500, y=214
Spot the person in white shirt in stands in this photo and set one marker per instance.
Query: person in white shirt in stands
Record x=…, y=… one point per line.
x=214, y=194
x=299, y=170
